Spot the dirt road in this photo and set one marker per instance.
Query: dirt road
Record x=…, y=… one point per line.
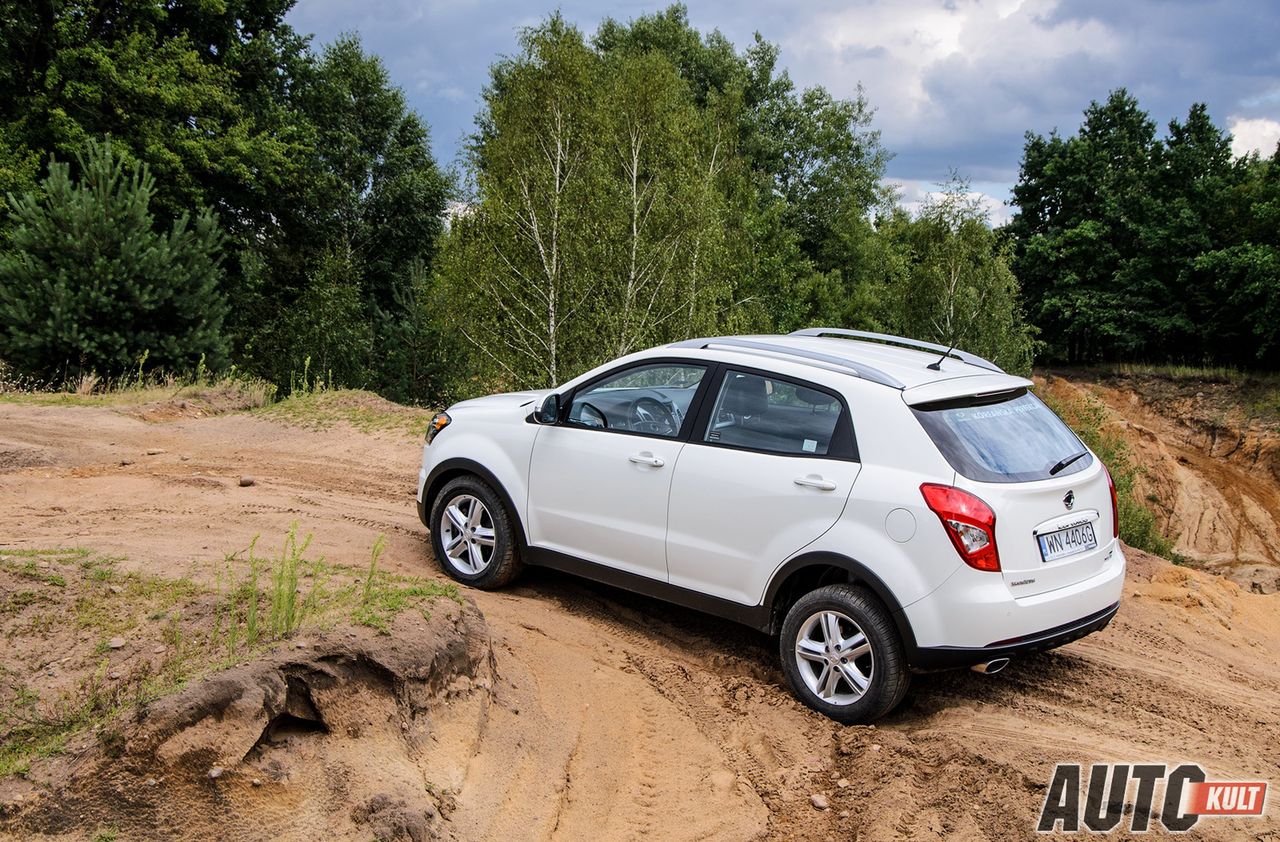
x=617, y=717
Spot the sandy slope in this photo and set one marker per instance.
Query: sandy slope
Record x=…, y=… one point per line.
x=1209, y=469
x=616, y=717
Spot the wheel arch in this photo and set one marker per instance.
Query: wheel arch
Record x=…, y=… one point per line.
x=456, y=467
x=812, y=570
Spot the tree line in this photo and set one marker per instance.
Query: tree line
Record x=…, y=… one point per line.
x=1135, y=246
x=199, y=171
x=651, y=183
x=198, y=182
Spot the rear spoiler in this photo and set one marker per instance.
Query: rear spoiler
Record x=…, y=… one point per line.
x=975, y=385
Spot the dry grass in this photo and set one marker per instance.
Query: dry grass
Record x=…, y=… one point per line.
x=1218, y=395
x=201, y=391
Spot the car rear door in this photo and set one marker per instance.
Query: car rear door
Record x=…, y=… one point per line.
x=599, y=479
x=767, y=470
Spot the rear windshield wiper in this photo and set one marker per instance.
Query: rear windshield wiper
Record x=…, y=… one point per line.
x=1069, y=460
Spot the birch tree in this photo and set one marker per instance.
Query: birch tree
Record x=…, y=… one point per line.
x=643, y=188
x=957, y=288
x=524, y=246
x=651, y=164
x=594, y=205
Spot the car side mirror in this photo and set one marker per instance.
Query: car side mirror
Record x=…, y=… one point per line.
x=549, y=410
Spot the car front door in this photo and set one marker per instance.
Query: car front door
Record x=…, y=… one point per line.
x=767, y=470
x=599, y=479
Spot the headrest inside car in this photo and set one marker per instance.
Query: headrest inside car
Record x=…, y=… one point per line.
x=746, y=395
x=813, y=397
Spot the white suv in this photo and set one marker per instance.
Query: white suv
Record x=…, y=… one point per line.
x=883, y=505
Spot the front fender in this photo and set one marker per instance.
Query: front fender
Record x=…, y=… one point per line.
x=503, y=469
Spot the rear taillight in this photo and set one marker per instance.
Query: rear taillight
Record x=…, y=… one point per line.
x=1115, y=504
x=968, y=522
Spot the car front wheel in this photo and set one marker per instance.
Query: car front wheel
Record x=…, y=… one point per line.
x=472, y=535
x=842, y=655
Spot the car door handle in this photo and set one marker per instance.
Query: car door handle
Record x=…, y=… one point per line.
x=815, y=481
x=647, y=458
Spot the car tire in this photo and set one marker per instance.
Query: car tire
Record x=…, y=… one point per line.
x=472, y=536
x=863, y=674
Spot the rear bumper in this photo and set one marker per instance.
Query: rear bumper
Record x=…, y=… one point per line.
x=951, y=657
x=973, y=617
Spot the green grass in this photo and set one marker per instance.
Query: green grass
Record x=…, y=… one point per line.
x=253, y=608
x=17, y=601
x=37, y=565
x=224, y=392
x=27, y=732
x=116, y=603
x=61, y=555
x=303, y=591
x=383, y=595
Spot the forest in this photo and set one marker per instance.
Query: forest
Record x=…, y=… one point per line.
x=196, y=186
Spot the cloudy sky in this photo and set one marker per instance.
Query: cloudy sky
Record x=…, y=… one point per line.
x=955, y=83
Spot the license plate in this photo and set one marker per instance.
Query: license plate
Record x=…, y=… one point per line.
x=1069, y=541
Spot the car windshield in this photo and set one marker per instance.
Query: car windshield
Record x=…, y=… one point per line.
x=1018, y=439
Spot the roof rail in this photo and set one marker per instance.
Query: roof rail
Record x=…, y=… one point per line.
x=890, y=339
x=862, y=370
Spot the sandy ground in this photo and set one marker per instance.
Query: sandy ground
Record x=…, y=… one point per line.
x=616, y=717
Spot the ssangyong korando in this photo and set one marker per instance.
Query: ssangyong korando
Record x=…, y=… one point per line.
x=882, y=505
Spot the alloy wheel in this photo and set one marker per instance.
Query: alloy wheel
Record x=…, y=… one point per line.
x=467, y=535
x=834, y=658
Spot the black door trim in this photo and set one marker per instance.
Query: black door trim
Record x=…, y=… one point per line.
x=756, y=616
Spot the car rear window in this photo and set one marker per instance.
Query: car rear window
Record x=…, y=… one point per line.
x=1015, y=439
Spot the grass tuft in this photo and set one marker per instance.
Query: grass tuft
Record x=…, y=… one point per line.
x=364, y=411
x=253, y=607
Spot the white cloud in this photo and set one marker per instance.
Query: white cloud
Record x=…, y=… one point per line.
x=914, y=193
x=1248, y=135
x=911, y=56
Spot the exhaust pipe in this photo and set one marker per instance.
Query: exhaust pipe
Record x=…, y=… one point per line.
x=991, y=667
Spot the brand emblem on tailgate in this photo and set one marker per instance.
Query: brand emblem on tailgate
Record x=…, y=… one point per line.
x=1070, y=500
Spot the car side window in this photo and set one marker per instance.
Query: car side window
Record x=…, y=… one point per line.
x=652, y=400
x=774, y=415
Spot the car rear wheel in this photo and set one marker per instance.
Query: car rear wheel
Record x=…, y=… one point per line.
x=472, y=535
x=842, y=655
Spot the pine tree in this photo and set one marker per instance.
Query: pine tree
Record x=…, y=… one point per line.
x=88, y=283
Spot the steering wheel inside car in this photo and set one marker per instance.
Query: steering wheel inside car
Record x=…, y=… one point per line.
x=650, y=415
